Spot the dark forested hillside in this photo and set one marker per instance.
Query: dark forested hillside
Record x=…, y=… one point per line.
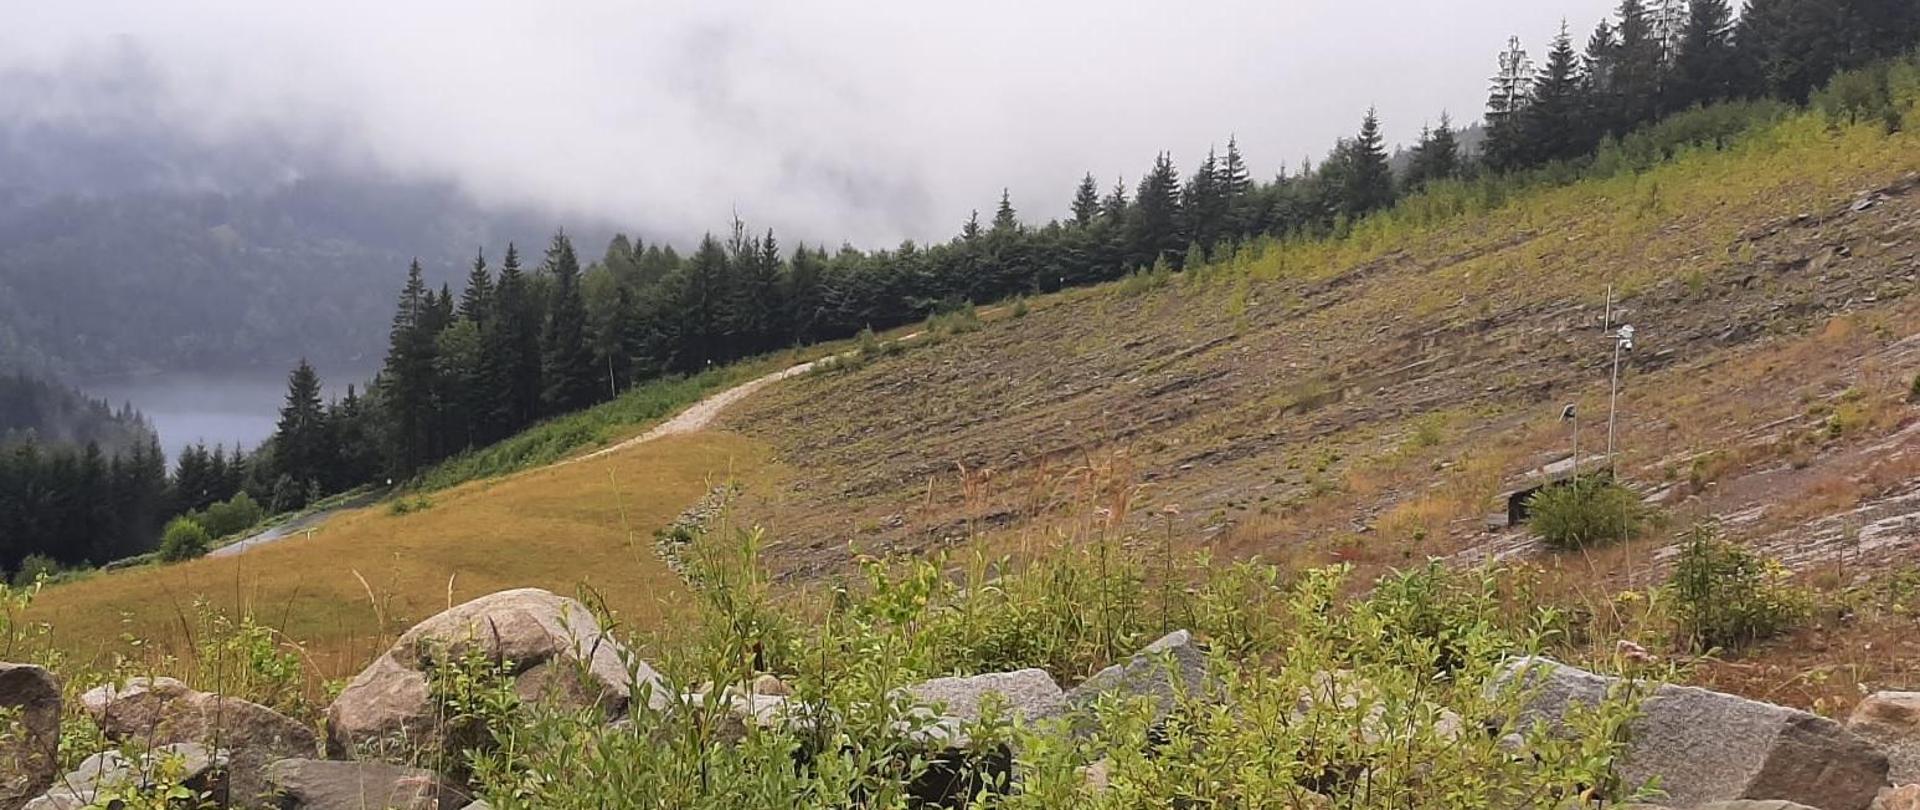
x=37, y=410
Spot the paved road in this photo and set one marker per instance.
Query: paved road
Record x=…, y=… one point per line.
x=295, y=526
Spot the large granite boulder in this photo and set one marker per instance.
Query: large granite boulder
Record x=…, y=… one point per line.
x=30, y=748
x=1028, y=694
x=309, y=784
x=554, y=646
x=199, y=769
x=957, y=768
x=1707, y=746
x=161, y=711
x=1891, y=720
x=1173, y=665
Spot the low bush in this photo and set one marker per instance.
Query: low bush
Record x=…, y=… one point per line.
x=231, y=516
x=184, y=539
x=1588, y=511
x=1726, y=596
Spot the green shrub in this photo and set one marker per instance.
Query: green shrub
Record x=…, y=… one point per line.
x=960, y=320
x=1020, y=307
x=1726, y=596
x=231, y=516
x=184, y=539
x=1913, y=391
x=1857, y=96
x=1586, y=512
x=33, y=568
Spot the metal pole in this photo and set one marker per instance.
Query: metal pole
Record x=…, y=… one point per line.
x=1613, y=400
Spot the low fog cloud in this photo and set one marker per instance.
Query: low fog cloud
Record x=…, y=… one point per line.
x=865, y=121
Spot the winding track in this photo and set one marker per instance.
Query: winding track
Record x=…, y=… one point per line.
x=695, y=418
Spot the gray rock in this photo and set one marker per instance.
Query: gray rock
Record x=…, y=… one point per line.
x=201, y=769
x=29, y=756
x=1029, y=694
x=1891, y=720
x=1707, y=746
x=162, y=711
x=555, y=646
x=1174, y=664
x=309, y=784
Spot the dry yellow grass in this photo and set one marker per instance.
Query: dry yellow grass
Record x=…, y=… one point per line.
x=584, y=525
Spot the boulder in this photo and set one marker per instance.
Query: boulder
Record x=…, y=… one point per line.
x=201, y=769
x=956, y=767
x=1891, y=720
x=554, y=648
x=1028, y=694
x=161, y=711
x=1172, y=665
x=1903, y=797
x=310, y=784
x=1707, y=746
x=29, y=753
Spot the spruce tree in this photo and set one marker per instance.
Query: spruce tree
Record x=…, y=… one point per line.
x=1639, y=68
x=1368, y=178
x=1704, y=68
x=1435, y=157
x=1156, y=232
x=407, y=380
x=1004, y=219
x=1598, y=62
x=1505, y=145
x=476, y=301
x=566, y=365
x=1086, y=201
x=1553, y=124
x=513, y=351
x=1114, y=206
x=1203, y=204
x=302, y=443
x=1235, y=184
x=971, y=230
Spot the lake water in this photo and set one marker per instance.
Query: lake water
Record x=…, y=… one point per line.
x=236, y=409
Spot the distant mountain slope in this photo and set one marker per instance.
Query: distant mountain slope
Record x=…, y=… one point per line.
x=141, y=254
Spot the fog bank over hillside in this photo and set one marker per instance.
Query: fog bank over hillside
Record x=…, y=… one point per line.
x=862, y=121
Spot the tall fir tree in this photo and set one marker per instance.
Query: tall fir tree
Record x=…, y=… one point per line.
x=302, y=441
x=566, y=360
x=1204, y=206
x=1004, y=217
x=1553, y=123
x=1704, y=67
x=476, y=301
x=1235, y=183
x=1507, y=96
x=1435, y=157
x=1368, y=178
x=1156, y=221
x=407, y=379
x=1086, y=201
x=512, y=344
x=1114, y=206
x=1639, y=68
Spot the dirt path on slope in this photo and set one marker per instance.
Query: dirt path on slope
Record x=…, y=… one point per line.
x=698, y=416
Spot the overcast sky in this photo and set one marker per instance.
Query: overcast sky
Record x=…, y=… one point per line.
x=868, y=121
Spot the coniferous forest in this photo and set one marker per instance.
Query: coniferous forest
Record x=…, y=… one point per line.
x=530, y=337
